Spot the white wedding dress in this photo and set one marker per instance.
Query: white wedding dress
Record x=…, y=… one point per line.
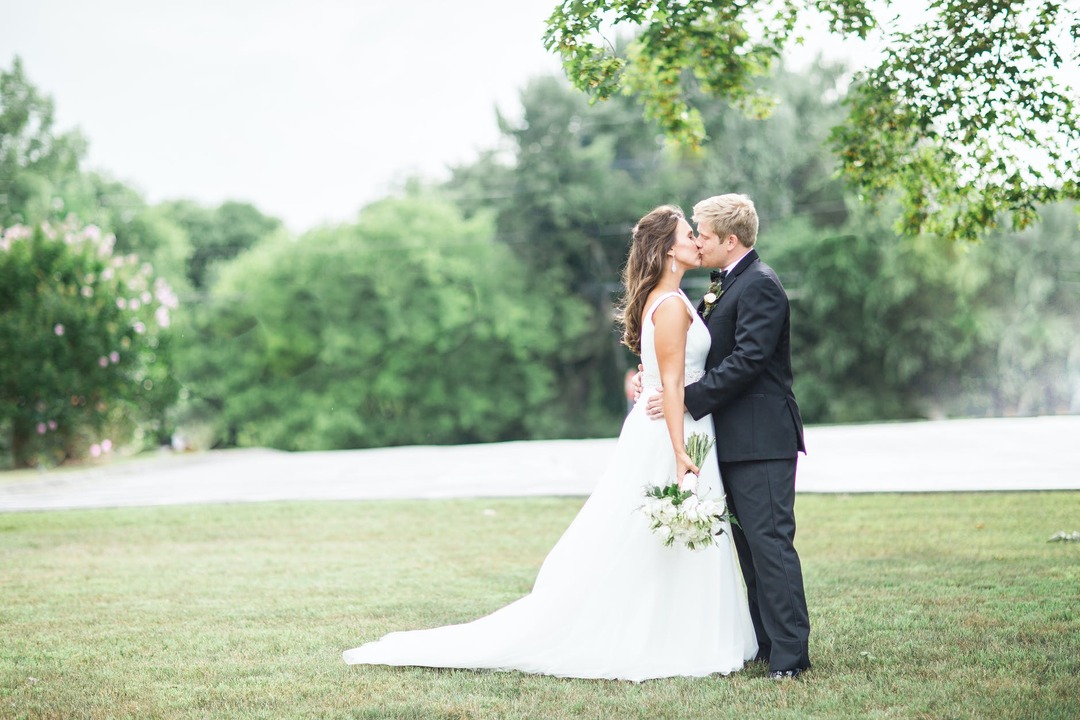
x=610, y=601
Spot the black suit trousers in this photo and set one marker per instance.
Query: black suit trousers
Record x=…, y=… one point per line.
x=761, y=495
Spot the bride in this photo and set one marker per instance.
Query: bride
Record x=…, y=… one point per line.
x=610, y=600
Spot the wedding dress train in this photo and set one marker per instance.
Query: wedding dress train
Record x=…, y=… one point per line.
x=610, y=601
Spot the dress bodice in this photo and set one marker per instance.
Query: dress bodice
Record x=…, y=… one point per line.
x=698, y=342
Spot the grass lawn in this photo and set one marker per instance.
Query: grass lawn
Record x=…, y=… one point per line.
x=922, y=606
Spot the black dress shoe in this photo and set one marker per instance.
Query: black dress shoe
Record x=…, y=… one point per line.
x=786, y=674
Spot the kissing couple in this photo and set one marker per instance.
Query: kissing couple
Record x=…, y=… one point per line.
x=612, y=601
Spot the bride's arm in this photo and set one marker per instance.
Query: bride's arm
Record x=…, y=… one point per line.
x=672, y=323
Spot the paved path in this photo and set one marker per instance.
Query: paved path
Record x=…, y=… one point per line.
x=986, y=454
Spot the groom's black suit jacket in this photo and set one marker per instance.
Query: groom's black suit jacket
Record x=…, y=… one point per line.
x=747, y=384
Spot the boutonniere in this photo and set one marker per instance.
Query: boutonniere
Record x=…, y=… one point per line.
x=712, y=297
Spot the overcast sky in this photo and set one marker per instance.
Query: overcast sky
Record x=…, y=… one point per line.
x=307, y=108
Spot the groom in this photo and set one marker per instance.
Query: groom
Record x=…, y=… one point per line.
x=747, y=389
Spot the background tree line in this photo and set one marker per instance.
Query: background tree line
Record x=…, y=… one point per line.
x=479, y=309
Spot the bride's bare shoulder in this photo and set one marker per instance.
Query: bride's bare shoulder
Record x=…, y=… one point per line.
x=670, y=310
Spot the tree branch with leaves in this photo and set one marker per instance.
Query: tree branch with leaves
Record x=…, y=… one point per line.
x=967, y=116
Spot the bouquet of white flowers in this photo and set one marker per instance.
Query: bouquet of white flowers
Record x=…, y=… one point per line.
x=680, y=516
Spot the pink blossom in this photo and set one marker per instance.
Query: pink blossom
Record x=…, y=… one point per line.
x=107, y=274
x=58, y=329
x=19, y=232
x=165, y=295
x=103, y=361
x=52, y=424
x=114, y=357
x=161, y=315
x=121, y=303
x=95, y=450
x=145, y=297
x=138, y=327
x=41, y=427
x=106, y=445
x=134, y=303
x=87, y=291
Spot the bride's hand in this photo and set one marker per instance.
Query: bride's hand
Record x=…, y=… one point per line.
x=684, y=465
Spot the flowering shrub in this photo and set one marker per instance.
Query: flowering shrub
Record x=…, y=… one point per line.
x=84, y=361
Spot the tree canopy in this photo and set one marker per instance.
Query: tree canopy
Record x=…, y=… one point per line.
x=412, y=326
x=480, y=310
x=36, y=162
x=967, y=115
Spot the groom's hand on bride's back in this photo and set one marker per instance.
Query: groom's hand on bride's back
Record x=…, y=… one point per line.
x=655, y=407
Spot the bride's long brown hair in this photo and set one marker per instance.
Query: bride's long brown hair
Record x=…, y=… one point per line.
x=653, y=236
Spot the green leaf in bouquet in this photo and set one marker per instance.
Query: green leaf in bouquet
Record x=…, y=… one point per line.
x=668, y=492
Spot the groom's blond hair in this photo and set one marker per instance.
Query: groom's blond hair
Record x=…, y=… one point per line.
x=730, y=214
